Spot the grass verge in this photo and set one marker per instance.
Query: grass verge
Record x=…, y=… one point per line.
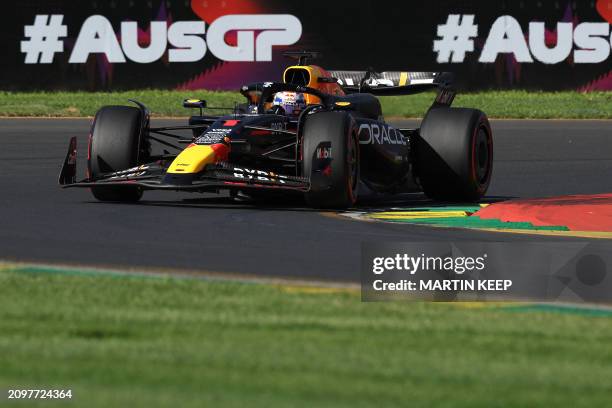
x=497, y=104
x=136, y=341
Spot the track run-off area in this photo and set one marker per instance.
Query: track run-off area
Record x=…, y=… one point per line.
x=210, y=233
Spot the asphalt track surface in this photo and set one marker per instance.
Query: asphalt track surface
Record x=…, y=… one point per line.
x=41, y=222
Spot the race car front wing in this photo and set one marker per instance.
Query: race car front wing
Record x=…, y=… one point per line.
x=153, y=176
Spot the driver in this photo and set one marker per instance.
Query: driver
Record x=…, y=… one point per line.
x=288, y=103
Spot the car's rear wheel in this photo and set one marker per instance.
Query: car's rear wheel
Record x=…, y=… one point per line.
x=330, y=158
x=114, y=145
x=454, y=154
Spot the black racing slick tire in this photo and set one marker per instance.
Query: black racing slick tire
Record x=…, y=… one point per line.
x=454, y=154
x=330, y=159
x=114, y=146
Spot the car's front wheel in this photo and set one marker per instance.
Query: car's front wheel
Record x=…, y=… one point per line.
x=330, y=158
x=114, y=145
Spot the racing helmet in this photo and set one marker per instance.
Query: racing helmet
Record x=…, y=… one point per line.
x=292, y=103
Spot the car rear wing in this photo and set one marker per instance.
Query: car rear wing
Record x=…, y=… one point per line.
x=391, y=82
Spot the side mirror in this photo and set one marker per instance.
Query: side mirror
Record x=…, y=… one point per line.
x=194, y=103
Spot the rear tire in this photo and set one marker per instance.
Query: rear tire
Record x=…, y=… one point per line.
x=115, y=137
x=454, y=154
x=330, y=158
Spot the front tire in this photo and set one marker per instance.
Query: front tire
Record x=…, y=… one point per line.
x=454, y=154
x=330, y=158
x=114, y=146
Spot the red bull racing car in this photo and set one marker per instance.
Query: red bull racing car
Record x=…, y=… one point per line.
x=319, y=134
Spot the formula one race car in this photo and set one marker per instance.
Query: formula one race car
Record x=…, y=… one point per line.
x=319, y=134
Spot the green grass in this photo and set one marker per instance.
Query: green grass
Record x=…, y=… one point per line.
x=166, y=342
x=75, y=104
x=497, y=104
x=513, y=104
